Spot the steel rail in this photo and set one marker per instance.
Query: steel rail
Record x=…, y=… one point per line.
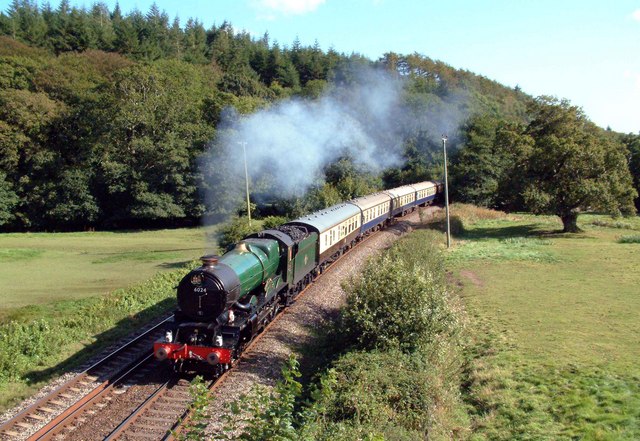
x=56, y=426
x=124, y=425
x=52, y=405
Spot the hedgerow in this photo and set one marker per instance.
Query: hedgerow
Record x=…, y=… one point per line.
x=400, y=300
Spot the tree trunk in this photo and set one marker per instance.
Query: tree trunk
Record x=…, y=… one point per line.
x=570, y=222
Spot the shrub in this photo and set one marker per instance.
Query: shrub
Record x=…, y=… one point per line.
x=195, y=428
x=391, y=394
x=273, y=221
x=236, y=230
x=401, y=299
x=267, y=415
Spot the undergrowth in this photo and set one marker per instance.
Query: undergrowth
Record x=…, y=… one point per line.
x=236, y=230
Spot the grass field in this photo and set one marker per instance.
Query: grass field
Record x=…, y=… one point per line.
x=556, y=327
x=64, y=296
x=45, y=268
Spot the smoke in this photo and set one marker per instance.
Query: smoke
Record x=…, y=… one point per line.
x=290, y=143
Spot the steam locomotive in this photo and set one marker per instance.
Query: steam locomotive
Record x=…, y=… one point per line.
x=226, y=302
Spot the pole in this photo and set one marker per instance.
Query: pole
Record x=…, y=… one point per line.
x=446, y=190
x=246, y=178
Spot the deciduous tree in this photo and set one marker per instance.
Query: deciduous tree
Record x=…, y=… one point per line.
x=572, y=166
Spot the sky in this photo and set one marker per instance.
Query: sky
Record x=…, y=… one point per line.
x=587, y=51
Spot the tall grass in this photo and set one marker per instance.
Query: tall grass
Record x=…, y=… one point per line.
x=630, y=239
x=614, y=224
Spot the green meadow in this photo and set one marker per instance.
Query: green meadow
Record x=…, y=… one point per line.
x=64, y=296
x=555, y=325
x=46, y=268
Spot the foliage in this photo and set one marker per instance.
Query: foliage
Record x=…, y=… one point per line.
x=630, y=239
x=268, y=415
x=194, y=429
x=392, y=395
x=483, y=167
x=273, y=221
x=573, y=167
x=633, y=144
x=236, y=230
x=399, y=301
x=106, y=115
x=559, y=163
x=8, y=200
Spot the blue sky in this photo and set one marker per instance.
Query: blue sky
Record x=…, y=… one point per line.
x=587, y=51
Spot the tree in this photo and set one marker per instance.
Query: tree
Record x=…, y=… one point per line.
x=573, y=166
x=8, y=200
x=633, y=144
x=195, y=42
x=483, y=167
x=101, y=27
x=126, y=36
x=147, y=154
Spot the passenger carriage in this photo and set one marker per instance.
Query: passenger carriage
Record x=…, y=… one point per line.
x=426, y=192
x=403, y=199
x=375, y=210
x=337, y=227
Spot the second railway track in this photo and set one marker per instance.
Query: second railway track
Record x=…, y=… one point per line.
x=48, y=414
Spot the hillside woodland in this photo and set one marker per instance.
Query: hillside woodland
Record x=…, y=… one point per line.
x=104, y=116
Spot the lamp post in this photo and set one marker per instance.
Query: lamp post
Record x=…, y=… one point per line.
x=246, y=177
x=446, y=190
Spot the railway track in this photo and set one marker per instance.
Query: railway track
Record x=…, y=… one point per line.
x=45, y=418
x=158, y=414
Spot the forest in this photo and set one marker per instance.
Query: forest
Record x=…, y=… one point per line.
x=105, y=116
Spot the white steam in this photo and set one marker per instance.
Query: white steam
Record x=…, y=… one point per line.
x=290, y=143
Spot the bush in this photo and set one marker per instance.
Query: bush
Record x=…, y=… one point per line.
x=401, y=299
x=236, y=230
x=267, y=415
x=394, y=395
x=273, y=221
